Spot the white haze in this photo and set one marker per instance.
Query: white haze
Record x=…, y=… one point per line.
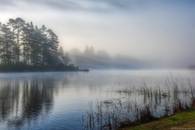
x=161, y=32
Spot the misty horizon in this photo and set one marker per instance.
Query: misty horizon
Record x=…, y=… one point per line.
x=158, y=32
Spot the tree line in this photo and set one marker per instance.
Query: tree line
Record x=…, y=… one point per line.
x=23, y=44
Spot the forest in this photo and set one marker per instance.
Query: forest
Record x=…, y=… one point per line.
x=27, y=47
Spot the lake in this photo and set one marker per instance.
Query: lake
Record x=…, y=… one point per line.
x=87, y=100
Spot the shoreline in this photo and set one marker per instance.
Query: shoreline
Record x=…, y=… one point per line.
x=51, y=68
x=29, y=71
x=180, y=120
x=46, y=70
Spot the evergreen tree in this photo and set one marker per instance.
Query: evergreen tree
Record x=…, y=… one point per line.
x=24, y=45
x=1, y=43
x=53, y=47
x=6, y=45
x=16, y=26
x=63, y=57
x=27, y=43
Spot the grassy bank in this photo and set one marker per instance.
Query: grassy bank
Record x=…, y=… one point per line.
x=175, y=122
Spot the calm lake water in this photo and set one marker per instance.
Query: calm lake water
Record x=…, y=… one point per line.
x=62, y=100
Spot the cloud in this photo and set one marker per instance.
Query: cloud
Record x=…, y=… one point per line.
x=6, y=3
x=63, y=5
x=92, y=5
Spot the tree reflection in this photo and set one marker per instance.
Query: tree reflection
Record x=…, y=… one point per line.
x=22, y=101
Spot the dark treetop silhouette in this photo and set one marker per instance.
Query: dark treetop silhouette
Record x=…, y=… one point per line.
x=26, y=47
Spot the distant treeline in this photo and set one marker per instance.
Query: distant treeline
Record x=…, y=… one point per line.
x=100, y=59
x=25, y=46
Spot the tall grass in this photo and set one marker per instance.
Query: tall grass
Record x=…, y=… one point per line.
x=153, y=103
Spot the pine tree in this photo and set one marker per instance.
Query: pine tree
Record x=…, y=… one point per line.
x=16, y=26
x=53, y=47
x=63, y=57
x=6, y=45
x=27, y=41
x=24, y=45
x=1, y=43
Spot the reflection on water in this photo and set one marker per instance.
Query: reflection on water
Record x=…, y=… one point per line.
x=67, y=101
x=24, y=100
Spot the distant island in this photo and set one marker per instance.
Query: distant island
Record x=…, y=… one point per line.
x=27, y=47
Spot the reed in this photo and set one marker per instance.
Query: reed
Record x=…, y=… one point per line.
x=155, y=103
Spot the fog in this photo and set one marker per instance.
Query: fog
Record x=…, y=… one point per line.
x=100, y=59
x=153, y=32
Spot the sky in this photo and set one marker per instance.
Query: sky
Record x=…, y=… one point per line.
x=160, y=31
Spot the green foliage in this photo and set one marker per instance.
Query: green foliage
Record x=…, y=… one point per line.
x=24, y=45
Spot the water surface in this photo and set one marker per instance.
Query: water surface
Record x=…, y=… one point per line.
x=60, y=100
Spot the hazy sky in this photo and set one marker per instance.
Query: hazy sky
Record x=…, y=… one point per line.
x=156, y=30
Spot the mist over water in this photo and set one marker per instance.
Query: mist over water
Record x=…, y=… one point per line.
x=62, y=100
x=94, y=59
